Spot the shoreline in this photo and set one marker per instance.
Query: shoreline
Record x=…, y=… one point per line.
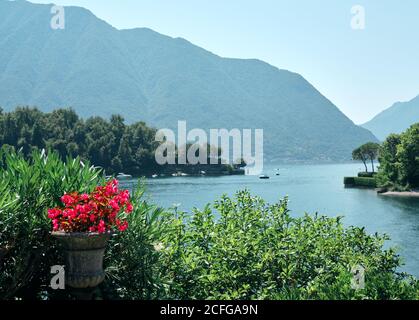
x=405, y=194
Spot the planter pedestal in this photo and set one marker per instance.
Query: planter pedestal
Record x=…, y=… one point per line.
x=84, y=259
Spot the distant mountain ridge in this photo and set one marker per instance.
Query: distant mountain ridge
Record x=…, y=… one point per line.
x=143, y=75
x=396, y=119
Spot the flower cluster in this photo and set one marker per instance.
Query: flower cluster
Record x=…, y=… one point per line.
x=105, y=209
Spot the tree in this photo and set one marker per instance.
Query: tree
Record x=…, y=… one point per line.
x=399, y=160
x=125, y=152
x=408, y=156
x=110, y=144
x=371, y=149
x=38, y=135
x=358, y=154
x=368, y=151
x=118, y=129
x=388, y=172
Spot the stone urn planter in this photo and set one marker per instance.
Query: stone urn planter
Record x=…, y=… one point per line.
x=84, y=258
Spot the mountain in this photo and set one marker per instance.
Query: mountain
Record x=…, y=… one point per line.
x=143, y=75
x=396, y=119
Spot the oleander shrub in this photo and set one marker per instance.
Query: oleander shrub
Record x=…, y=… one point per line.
x=133, y=260
x=28, y=187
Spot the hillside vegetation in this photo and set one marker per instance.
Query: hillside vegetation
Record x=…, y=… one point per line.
x=145, y=76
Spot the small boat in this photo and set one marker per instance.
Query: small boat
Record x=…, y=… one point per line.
x=154, y=176
x=179, y=174
x=203, y=173
x=263, y=176
x=123, y=176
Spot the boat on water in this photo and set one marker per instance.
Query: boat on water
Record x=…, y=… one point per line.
x=179, y=174
x=263, y=176
x=123, y=176
x=154, y=176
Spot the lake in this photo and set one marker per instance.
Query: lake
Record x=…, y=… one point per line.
x=311, y=188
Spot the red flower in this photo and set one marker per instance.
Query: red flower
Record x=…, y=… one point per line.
x=84, y=197
x=101, y=228
x=122, y=226
x=114, y=204
x=53, y=213
x=67, y=199
x=129, y=208
x=55, y=224
x=102, y=210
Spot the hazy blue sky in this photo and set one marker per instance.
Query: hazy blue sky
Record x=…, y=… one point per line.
x=361, y=71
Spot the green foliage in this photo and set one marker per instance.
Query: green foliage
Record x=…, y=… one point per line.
x=159, y=79
x=368, y=182
x=112, y=145
x=367, y=174
x=368, y=151
x=29, y=186
x=108, y=144
x=408, y=154
x=365, y=182
x=253, y=250
x=399, y=160
x=242, y=248
x=133, y=266
x=349, y=181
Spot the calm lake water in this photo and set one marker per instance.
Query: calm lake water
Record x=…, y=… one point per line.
x=311, y=188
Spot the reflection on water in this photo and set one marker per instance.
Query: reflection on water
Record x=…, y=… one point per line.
x=407, y=205
x=311, y=188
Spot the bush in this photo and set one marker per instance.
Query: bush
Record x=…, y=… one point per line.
x=133, y=259
x=349, y=181
x=242, y=248
x=399, y=161
x=28, y=188
x=365, y=182
x=252, y=250
x=360, y=182
x=366, y=174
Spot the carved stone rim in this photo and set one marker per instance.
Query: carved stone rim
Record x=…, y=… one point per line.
x=81, y=234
